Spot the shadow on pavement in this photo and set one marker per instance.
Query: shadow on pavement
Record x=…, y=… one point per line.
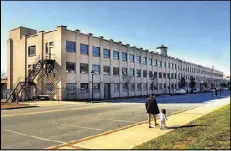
x=183, y=126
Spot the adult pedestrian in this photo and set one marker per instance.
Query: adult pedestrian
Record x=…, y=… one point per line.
x=152, y=109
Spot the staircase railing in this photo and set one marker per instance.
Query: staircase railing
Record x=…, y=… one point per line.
x=21, y=81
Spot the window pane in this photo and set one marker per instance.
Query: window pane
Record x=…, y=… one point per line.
x=116, y=71
x=84, y=87
x=83, y=49
x=96, y=51
x=116, y=87
x=83, y=68
x=106, y=53
x=138, y=59
x=138, y=73
x=70, y=67
x=125, y=87
x=32, y=51
x=150, y=74
x=116, y=55
x=138, y=86
x=124, y=71
x=149, y=61
x=106, y=70
x=124, y=56
x=131, y=58
x=132, y=87
x=144, y=60
x=131, y=72
x=70, y=46
x=70, y=88
x=96, y=68
x=144, y=73
x=96, y=87
x=144, y=86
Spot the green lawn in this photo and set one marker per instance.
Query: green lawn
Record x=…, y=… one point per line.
x=211, y=131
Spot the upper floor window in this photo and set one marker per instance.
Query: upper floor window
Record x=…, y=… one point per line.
x=116, y=55
x=96, y=51
x=106, y=70
x=96, y=68
x=70, y=67
x=131, y=72
x=155, y=62
x=138, y=59
x=83, y=68
x=160, y=64
x=165, y=64
x=138, y=72
x=149, y=61
x=70, y=46
x=106, y=53
x=144, y=60
x=160, y=75
x=169, y=65
x=32, y=51
x=175, y=66
x=124, y=71
x=116, y=71
x=83, y=49
x=131, y=58
x=150, y=74
x=144, y=73
x=124, y=56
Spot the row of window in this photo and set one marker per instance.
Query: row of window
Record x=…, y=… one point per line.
x=84, y=68
x=71, y=47
x=71, y=87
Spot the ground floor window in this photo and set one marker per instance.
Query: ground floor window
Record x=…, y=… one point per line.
x=96, y=87
x=132, y=85
x=70, y=88
x=145, y=86
x=84, y=87
x=138, y=86
x=125, y=87
x=116, y=87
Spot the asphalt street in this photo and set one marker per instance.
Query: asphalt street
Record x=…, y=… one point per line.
x=42, y=127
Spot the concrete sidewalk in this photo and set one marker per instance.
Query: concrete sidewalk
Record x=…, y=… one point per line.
x=127, y=138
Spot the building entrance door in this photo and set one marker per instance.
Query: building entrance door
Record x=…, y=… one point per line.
x=106, y=90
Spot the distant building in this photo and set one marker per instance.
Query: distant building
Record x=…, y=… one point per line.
x=120, y=70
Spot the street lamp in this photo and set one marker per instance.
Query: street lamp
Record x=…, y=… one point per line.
x=92, y=73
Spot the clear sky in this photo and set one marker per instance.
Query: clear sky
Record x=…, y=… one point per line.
x=197, y=32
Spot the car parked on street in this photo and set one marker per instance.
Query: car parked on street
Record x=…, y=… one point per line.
x=180, y=92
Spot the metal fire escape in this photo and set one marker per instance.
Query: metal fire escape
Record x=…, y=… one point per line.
x=21, y=84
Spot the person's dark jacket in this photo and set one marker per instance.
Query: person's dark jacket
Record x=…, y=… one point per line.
x=151, y=106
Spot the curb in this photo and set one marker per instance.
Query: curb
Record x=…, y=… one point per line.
x=111, y=131
x=11, y=108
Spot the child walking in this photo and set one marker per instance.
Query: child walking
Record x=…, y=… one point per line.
x=163, y=118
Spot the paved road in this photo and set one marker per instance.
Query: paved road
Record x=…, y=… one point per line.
x=42, y=127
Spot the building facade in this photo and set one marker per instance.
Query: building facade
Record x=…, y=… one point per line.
x=119, y=70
